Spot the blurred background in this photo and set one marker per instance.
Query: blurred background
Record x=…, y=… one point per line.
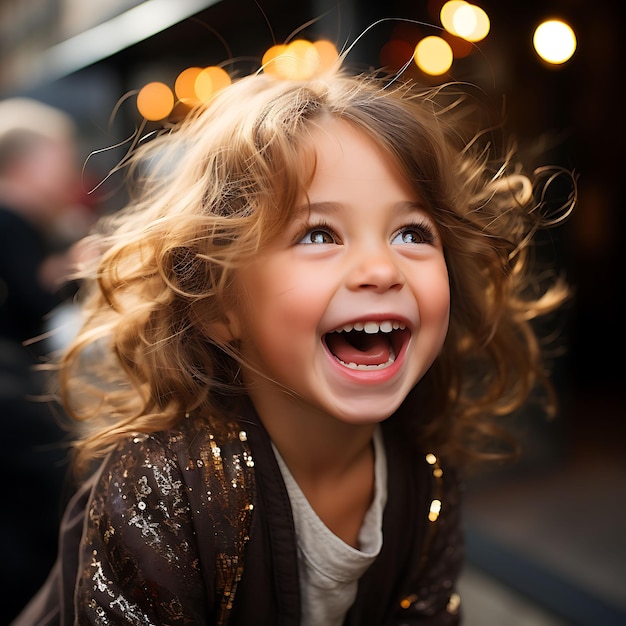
x=545, y=538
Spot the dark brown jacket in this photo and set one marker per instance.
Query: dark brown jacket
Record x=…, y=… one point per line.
x=179, y=523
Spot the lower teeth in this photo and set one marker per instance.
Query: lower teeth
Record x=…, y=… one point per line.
x=379, y=366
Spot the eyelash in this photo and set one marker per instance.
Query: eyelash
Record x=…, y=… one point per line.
x=425, y=229
x=323, y=226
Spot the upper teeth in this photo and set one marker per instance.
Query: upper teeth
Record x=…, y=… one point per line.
x=372, y=327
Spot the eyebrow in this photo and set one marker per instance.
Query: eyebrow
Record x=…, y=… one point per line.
x=328, y=208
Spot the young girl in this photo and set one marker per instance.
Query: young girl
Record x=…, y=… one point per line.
x=294, y=338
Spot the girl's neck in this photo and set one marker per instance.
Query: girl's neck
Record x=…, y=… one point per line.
x=314, y=445
x=332, y=462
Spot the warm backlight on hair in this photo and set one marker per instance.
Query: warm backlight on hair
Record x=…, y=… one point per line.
x=209, y=81
x=554, y=41
x=433, y=55
x=155, y=101
x=300, y=59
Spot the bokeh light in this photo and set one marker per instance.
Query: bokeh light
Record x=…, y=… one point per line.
x=184, y=87
x=433, y=55
x=465, y=20
x=471, y=22
x=447, y=12
x=327, y=52
x=209, y=81
x=155, y=101
x=299, y=59
x=296, y=60
x=554, y=41
x=271, y=59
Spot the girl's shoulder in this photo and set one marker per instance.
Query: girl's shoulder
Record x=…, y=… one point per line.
x=182, y=495
x=198, y=455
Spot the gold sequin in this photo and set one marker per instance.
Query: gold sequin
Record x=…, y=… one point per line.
x=454, y=604
x=142, y=503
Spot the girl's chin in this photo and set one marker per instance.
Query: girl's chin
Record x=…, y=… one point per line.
x=361, y=413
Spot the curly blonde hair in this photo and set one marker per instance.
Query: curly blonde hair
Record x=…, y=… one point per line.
x=212, y=190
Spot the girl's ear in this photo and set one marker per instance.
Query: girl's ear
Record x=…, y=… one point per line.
x=226, y=330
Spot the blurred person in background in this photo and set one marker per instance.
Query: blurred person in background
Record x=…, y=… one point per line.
x=40, y=217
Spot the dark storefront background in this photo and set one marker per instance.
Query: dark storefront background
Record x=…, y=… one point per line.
x=569, y=115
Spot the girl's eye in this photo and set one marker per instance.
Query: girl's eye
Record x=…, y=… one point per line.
x=318, y=236
x=414, y=234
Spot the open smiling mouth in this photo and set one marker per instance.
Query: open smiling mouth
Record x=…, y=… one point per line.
x=367, y=345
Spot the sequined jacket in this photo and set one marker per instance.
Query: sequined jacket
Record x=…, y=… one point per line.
x=194, y=526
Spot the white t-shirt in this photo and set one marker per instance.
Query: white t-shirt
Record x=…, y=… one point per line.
x=329, y=568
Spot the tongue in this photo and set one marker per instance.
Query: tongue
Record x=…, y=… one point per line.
x=363, y=349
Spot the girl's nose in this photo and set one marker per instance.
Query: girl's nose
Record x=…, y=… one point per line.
x=375, y=270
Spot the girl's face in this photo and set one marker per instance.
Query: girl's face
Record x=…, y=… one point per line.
x=346, y=311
